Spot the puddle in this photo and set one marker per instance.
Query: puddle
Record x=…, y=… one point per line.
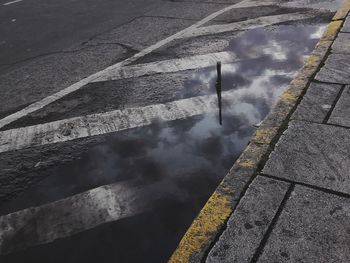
x=185, y=158
x=265, y=52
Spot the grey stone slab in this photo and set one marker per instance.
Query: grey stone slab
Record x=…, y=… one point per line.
x=313, y=227
x=341, y=112
x=317, y=102
x=342, y=44
x=248, y=224
x=185, y=10
x=314, y=154
x=336, y=69
x=346, y=26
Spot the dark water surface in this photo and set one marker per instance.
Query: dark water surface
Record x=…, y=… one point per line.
x=186, y=159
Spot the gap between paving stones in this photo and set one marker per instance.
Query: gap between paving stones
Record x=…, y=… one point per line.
x=318, y=188
x=211, y=221
x=263, y=242
x=325, y=121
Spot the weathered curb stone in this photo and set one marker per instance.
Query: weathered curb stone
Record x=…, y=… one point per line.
x=249, y=222
x=209, y=223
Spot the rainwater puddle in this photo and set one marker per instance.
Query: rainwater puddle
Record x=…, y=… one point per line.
x=177, y=164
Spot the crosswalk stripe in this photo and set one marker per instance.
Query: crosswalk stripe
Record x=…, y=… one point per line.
x=251, y=23
x=65, y=217
x=168, y=66
x=118, y=120
x=97, y=124
x=76, y=86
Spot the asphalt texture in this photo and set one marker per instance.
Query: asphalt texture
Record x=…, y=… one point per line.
x=32, y=29
x=81, y=185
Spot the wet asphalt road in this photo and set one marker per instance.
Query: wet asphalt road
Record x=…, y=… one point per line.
x=129, y=192
x=32, y=28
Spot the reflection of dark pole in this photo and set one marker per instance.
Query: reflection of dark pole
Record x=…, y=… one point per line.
x=218, y=89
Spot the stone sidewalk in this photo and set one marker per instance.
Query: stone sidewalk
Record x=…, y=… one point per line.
x=287, y=199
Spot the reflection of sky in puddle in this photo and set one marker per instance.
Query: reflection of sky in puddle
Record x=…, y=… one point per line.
x=188, y=158
x=266, y=63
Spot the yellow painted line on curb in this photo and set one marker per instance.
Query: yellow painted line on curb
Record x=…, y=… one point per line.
x=289, y=97
x=332, y=30
x=211, y=218
x=343, y=11
x=219, y=208
x=264, y=135
x=245, y=163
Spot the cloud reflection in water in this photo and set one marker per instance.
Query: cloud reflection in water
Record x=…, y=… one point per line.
x=186, y=159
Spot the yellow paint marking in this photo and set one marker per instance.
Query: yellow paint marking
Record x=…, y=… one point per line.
x=246, y=163
x=218, y=209
x=343, y=11
x=264, y=135
x=288, y=97
x=331, y=31
x=313, y=60
x=227, y=190
x=204, y=228
x=298, y=83
x=321, y=48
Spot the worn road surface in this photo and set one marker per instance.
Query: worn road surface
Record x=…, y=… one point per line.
x=110, y=141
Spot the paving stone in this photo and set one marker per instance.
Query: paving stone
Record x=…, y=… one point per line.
x=247, y=226
x=313, y=227
x=336, y=69
x=317, y=102
x=341, y=112
x=342, y=44
x=346, y=26
x=314, y=154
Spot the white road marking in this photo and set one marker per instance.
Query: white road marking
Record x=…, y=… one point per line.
x=46, y=101
x=97, y=124
x=251, y=23
x=118, y=120
x=12, y=2
x=167, y=66
x=65, y=217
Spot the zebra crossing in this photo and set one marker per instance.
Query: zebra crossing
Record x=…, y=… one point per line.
x=86, y=210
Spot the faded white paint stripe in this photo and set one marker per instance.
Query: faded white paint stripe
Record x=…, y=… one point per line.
x=74, y=87
x=63, y=218
x=12, y=2
x=118, y=120
x=251, y=23
x=167, y=66
x=103, y=123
